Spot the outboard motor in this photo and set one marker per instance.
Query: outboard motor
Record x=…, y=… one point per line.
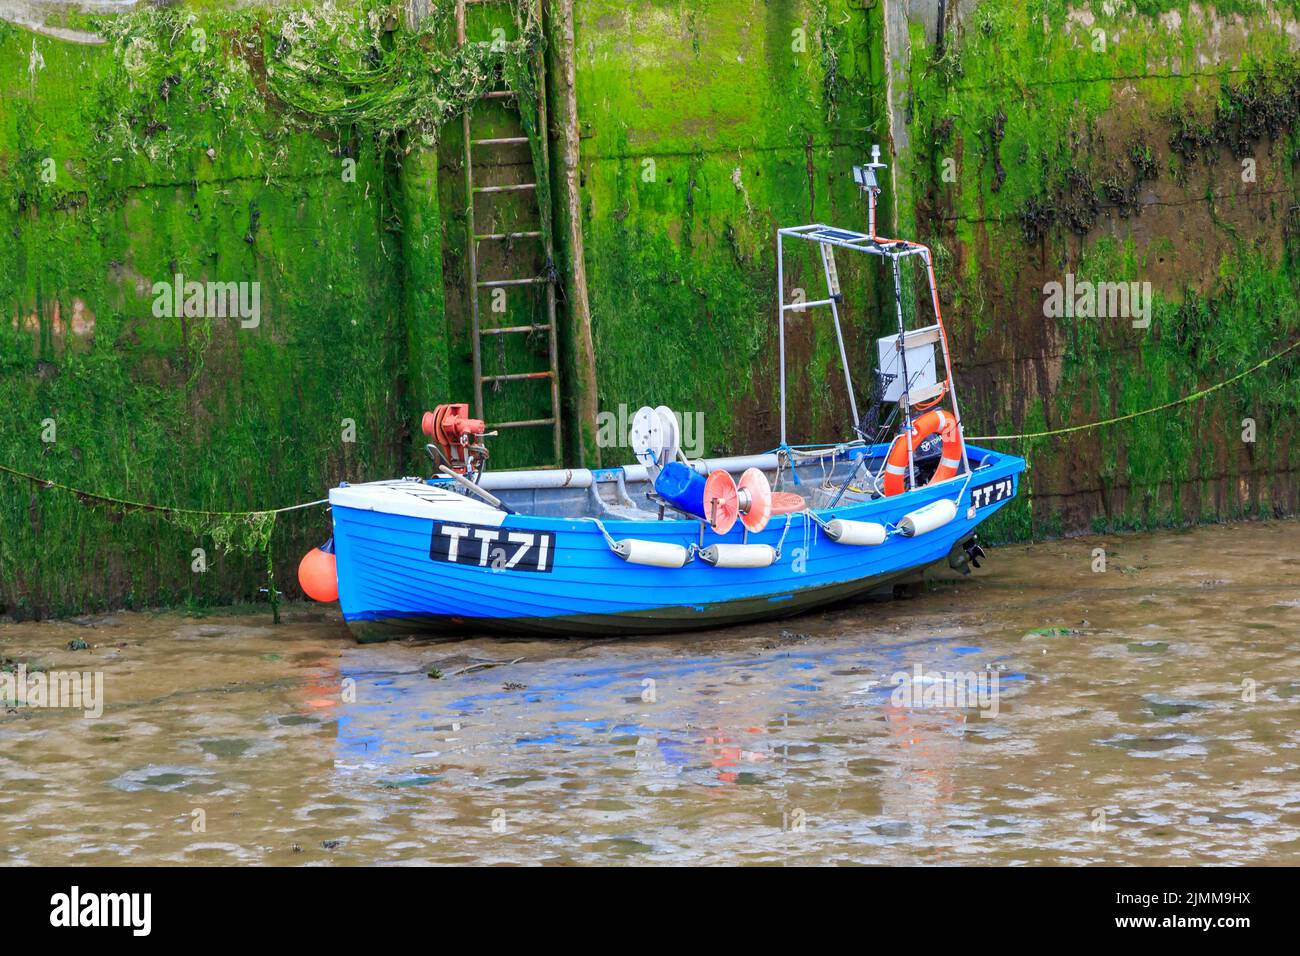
x=926, y=458
x=966, y=554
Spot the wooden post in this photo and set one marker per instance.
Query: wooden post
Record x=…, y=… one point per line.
x=581, y=352
x=428, y=363
x=416, y=11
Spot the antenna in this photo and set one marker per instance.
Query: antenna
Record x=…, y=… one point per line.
x=865, y=177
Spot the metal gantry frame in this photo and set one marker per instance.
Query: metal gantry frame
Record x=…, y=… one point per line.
x=829, y=238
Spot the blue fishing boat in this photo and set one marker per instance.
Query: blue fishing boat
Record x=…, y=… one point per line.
x=666, y=543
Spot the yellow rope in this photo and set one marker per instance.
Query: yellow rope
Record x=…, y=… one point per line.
x=1193, y=397
x=141, y=506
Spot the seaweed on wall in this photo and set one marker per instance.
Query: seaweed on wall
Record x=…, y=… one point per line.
x=250, y=144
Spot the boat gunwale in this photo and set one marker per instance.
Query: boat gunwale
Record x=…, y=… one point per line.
x=992, y=462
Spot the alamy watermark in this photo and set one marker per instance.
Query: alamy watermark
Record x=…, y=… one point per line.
x=132, y=911
x=1082, y=299
x=613, y=430
x=950, y=690
x=211, y=300
x=73, y=690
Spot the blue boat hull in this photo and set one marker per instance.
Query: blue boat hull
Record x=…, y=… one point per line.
x=398, y=574
x=627, y=623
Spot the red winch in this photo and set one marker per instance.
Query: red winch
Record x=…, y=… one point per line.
x=456, y=437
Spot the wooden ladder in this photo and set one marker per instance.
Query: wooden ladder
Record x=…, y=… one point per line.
x=477, y=284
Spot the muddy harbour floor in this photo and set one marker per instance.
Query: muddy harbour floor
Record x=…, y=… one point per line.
x=1148, y=714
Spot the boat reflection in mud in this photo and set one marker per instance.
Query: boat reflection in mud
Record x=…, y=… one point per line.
x=704, y=722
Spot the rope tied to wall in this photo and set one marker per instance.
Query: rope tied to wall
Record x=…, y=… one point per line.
x=1185, y=400
x=128, y=505
x=248, y=532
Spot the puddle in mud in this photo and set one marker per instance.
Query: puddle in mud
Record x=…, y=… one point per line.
x=1135, y=716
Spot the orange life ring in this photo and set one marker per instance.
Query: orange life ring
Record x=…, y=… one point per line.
x=925, y=426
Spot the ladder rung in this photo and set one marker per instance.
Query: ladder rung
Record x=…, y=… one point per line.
x=494, y=283
x=524, y=424
x=517, y=376
x=509, y=235
x=505, y=189
x=510, y=329
x=500, y=141
x=801, y=306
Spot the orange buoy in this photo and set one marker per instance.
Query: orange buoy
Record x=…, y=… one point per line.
x=318, y=573
x=923, y=428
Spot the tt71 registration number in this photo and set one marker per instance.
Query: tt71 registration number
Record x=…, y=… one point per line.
x=499, y=549
x=991, y=492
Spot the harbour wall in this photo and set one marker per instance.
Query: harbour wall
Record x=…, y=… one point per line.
x=1150, y=145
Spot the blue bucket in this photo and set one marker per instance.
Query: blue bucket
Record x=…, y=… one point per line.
x=682, y=487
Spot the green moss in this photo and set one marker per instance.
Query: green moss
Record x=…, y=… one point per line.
x=713, y=129
x=192, y=412
x=1059, y=132
x=296, y=148
x=279, y=146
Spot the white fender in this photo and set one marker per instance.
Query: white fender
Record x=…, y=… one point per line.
x=855, y=532
x=739, y=555
x=934, y=515
x=660, y=554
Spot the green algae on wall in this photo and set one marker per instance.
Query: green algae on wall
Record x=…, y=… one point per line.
x=283, y=153
x=125, y=173
x=705, y=127
x=1114, y=143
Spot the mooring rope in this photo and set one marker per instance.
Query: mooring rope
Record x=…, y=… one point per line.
x=1185, y=400
x=263, y=520
x=143, y=506
x=203, y=513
